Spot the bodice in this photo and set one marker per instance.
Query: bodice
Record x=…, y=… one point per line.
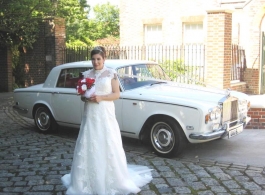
x=102, y=78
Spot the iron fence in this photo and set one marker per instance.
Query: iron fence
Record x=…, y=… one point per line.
x=238, y=63
x=183, y=63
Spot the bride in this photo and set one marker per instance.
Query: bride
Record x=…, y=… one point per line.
x=99, y=163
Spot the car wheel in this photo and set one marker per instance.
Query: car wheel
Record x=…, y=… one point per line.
x=44, y=120
x=167, y=138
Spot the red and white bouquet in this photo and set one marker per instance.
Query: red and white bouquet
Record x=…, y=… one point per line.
x=86, y=87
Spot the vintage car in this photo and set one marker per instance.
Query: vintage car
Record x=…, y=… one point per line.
x=151, y=107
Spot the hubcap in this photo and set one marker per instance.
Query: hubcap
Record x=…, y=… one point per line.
x=43, y=120
x=162, y=137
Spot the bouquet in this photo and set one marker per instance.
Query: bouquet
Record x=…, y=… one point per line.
x=86, y=87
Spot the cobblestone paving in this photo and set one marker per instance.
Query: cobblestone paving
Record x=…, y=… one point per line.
x=32, y=164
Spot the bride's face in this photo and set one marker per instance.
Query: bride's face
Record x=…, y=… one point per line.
x=97, y=61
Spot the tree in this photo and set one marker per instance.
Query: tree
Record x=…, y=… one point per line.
x=105, y=23
x=20, y=18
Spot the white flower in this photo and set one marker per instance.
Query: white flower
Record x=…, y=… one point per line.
x=84, y=87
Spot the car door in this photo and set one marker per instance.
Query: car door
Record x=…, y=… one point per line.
x=67, y=105
x=133, y=116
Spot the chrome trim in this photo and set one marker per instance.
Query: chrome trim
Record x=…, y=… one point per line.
x=19, y=109
x=215, y=134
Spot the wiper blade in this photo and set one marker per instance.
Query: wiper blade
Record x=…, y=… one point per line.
x=159, y=82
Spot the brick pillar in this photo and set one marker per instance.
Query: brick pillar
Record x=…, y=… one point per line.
x=54, y=42
x=6, y=76
x=219, y=39
x=34, y=60
x=59, y=39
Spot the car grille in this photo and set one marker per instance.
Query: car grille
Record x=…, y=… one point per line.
x=230, y=110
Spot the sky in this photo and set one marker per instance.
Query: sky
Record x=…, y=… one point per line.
x=95, y=2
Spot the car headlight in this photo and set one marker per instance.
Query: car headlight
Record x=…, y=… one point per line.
x=214, y=114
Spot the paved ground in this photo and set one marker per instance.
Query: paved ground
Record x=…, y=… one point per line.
x=32, y=163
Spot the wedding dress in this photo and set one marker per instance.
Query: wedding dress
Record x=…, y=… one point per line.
x=99, y=163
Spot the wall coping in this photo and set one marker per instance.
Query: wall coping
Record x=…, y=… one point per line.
x=237, y=83
x=257, y=101
x=219, y=10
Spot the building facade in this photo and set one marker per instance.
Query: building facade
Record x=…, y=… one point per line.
x=215, y=23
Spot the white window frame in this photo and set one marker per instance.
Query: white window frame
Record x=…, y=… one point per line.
x=193, y=33
x=193, y=38
x=153, y=34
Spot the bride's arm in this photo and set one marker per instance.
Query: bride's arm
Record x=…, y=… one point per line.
x=110, y=97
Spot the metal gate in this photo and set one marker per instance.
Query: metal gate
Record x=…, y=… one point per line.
x=262, y=85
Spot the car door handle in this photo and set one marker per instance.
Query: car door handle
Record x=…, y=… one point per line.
x=55, y=92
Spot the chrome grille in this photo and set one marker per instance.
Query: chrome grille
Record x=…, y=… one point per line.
x=230, y=108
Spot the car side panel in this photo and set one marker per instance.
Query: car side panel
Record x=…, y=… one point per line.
x=67, y=106
x=29, y=98
x=136, y=112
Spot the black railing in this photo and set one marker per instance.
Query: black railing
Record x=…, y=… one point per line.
x=238, y=63
x=183, y=63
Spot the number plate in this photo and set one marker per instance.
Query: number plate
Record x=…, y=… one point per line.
x=235, y=131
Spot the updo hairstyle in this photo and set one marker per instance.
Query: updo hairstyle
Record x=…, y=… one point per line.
x=98, y=50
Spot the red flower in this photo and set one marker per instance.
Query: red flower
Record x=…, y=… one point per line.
x=84, y=84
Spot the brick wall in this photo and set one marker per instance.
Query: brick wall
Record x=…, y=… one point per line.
x=34, y=60
x=6, y=79
x=251, y=76
x=45, y=54
x=170, y=13
x=257, y=118
x=242, y=87
x=250, y=38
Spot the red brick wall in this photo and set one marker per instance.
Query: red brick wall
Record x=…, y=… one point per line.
x=34, y=60
x=45, y=52
x=251, y=77
x=257, y=118
x=242, y=87
x=59, y=40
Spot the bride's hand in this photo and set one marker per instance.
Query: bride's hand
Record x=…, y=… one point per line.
x=95, y=98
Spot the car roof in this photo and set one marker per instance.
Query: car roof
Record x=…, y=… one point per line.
x=114, y=64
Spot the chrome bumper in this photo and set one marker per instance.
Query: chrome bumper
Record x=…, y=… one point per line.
x=215, y=134
x=20, y=110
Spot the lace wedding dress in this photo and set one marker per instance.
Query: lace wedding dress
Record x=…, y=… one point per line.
x=99, y=163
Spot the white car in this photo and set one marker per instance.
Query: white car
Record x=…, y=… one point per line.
x=150, y=107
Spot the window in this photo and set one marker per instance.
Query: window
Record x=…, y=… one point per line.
x=140, y=75
x=193, y=33
x=193, y=39
x=68, y=78
x=153, y=34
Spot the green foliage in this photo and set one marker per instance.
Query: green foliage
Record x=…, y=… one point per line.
x=173, y=68
x=19, y=20
x=79, y=43
x=105, y=23
x=88, y=30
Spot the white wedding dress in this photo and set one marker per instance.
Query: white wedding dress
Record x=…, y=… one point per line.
x=99, y=163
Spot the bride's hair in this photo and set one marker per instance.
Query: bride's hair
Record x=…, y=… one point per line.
x=98, y=50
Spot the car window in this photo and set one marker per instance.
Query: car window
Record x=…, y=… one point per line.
x=140, y=75
x=68, y=78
